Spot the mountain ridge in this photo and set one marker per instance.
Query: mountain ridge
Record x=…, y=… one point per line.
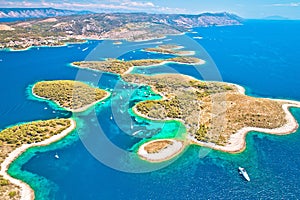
x=38, y=12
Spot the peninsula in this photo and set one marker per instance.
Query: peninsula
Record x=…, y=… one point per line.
x=74, y=96
x=216, y=115
x=122, y=67
x=17, y=139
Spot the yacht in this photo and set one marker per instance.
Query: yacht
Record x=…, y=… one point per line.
x=243, y=172
x=56, y=156
x=85, y=49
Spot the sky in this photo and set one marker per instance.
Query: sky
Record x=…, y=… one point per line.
x=247, y=9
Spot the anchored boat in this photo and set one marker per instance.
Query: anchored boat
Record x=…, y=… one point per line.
x=243, y=172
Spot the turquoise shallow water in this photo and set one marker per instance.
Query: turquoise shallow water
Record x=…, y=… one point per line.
x=260, y=55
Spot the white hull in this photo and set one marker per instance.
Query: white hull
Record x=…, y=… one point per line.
x=244, y=173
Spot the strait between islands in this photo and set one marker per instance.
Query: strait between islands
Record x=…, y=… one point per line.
x=216, y=115
x=17, y=139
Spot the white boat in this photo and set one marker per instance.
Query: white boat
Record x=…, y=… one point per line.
x=243, y=172
x=56, y=156
x=136, y=132
x=85, y=49
x=198, y=37
x=131, y=126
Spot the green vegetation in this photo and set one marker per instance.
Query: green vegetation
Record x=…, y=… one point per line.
x=33, y=132
x=186, y=60
x=169, y=46
x=169, y=108
x=3, y=182
x=12, y=194
x=140, y=31
x=169, y=49
x=8, y=191
x=69, y=94
x=201, y=133
x=120, y=67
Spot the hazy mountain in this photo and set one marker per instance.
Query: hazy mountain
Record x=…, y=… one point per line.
x=108, y=21
x=37, y=12
x=276, y=17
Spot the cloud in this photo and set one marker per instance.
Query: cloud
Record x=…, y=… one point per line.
x=297, y=4
x=171, y=10
x=138, y=4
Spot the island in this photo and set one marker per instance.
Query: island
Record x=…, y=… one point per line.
x=17, y=139
x=117, y=42
x=216, y=115
x=74, y=96
x=169, y=49
x=161, y=149
x=123, y=67
x=57, y=31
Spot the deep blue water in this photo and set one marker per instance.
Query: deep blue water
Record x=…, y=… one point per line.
x=12, y=19
x=261, y=55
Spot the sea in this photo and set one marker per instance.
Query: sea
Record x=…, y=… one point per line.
x=98, y=160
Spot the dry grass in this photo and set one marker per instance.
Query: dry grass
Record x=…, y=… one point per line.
x=9, y=191
x=49, y=20
x=168, y=51
x=157, y=146
x=211, y=111
x=225, y=114
x=4, y=27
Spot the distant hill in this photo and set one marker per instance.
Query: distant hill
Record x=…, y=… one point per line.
x=55, y=31
x=37, y=12
x=276, y=17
